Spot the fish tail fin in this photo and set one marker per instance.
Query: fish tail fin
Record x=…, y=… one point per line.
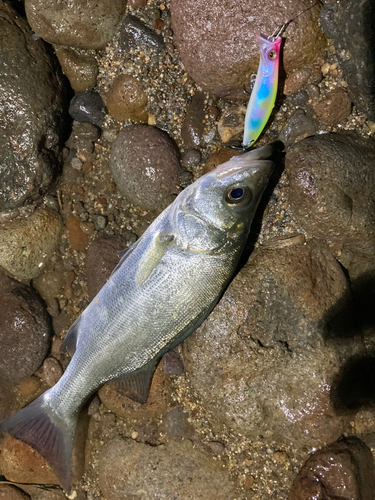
x=41, y=428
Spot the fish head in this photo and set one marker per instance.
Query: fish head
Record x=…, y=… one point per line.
x=225, y=199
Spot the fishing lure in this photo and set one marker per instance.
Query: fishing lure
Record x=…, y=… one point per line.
x=263, y=95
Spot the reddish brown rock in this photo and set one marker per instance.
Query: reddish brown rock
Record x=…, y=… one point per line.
x=78, y=238
x=335, y=108
x=21, y=464
x=9, y=492
x=342, y=470
x=126, y=99
x=101, y=259
x=24, y=330
x=217, y=40
x=51, y=371
x=193, y=125
x=296, y=80
x=221, y=156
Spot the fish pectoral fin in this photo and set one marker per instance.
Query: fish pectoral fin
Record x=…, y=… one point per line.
x=70, y=341
x=123, y=255
x=152, y=256
x=136, y=385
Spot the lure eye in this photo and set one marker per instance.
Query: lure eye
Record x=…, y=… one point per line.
x=272, y=55
x=237, y=194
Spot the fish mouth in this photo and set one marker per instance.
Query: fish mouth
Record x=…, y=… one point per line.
x=256, y=159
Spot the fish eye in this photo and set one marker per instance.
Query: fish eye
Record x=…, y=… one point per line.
x=237, y=194
x=272, y=54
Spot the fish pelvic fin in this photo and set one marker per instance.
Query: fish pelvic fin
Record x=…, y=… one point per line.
x=41, y=428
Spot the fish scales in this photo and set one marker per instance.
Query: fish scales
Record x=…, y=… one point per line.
x=160, y=292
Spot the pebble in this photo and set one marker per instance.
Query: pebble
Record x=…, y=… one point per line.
x=6, y=397
x=134, y=34
x=343, y=469
x=51, y=371
x=334, y=108
x=218, y=47
x=9, y=492
x=77, y=23
x=32, y=114
x=78, y=238
x=191, y=158
x=231, y=123
x=145, y=166
x=172, y=363
x=24, y=330
x=176, y=424
x=80, y=69
x=137, y=4
x=299, y=126
x=126, y=100
x=101, y=258
x=193, y=124
x=27, y=244
x=87, y=107
x=219, y=157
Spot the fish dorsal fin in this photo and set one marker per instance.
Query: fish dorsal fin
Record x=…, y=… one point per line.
x=152, y=256
x=70, y=341
x=136, y=385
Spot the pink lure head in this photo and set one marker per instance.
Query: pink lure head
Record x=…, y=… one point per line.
x=269, y=48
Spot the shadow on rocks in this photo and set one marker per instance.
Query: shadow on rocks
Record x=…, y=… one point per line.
x=351, y=318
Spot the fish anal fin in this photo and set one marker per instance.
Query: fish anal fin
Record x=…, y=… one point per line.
x=70, y=341
x=136, y=385
x=153, y=255
x=37, y=426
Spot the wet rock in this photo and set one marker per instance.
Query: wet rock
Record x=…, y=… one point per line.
x=217, y=43
x=231, y=123
x=193, y=125
x=24, y=330
x=172, y=363
x=221, y=156
x=29, y=386
x=334, y=108
x=9, y=492
x=40, y=493
x=51, y=371
x=137, y=4
x=145, y=166
x=270, y=367
x=79, y=23
x=87, y=107
x=85, y=132
x=355, y=53
x=80, y=69
x=342, y=470
x=19, y=463
x=134, y=34
x=299, y=126
x=26, y=244
x=191, y=158
x=331, y=189
x=299, y=78
x=127, y=100
x=101, y=259
x=299, y=99
x=6, y=398
x=31, y=114
x=52, y=284
x=78, y=238
x=176, y=424
x=175, y=470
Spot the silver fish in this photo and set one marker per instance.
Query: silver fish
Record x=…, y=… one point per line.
x=162, y=289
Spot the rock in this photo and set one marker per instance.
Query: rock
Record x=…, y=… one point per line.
x=299, y=126
x=221, y=156
x=299, y=78
x=87, y=107
x=6, y=398
x=145, y=166
x=176, y=424
x=78, y=238
x=342, y=470
x=126, y=100
x=217, y=43
x=53, y=283
x=29, y=386
x=354, y=53
x=101, y=259
x=78, y=23
x=335, y=108
x=24, y=330
x=175, y=470
x=135, y=34
x=80, y=69
x=193, y=124
x=231, y=123
x=83, y=131
x=19, y=463
x=331, y=190
x=40, y=493
x=9, y=492
x=137, y=4
x=172, y=363
x=263, y=342
x=32, y=113
x=51, y=371
x=27, y=244
x=191, y=158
